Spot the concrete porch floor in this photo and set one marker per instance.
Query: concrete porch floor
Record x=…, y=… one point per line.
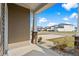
x=32, y=50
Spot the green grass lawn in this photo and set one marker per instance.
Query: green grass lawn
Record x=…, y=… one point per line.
x=69, y=41
x=46, y=32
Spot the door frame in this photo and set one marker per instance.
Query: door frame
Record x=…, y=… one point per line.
x=2, y=36
x=4, y=33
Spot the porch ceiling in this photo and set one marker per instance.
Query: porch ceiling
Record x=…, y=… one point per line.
x=36, y=7
x=29, y=5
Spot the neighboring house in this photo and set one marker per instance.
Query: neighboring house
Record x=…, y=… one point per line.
x=75, y=28
x=59, y=27
x=51, y=28
x=39, y=28
x=65, y=27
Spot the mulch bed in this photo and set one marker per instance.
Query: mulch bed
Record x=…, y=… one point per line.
x=66, y=52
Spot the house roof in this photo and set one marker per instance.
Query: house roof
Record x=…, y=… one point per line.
x=64, y=24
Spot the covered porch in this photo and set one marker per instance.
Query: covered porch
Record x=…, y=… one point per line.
x=18, y=24
x=20, y=29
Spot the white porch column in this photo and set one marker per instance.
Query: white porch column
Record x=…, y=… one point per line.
x=78, y=19
x=34, y=28
x=31, y=23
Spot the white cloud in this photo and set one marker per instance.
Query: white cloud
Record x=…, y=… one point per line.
x=65, y=19
x=51, y=24
x=42, y=20
x=58, y=13
x=74, y=15
x=68, y=6
x=67, y=22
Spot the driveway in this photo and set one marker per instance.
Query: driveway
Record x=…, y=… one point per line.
x=50, y=36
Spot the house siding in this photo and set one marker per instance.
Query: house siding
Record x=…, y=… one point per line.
x=67, y=28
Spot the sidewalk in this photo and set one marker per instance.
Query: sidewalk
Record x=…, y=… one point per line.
x=32, y=50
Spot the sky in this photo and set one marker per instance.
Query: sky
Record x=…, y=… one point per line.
x=58, y=13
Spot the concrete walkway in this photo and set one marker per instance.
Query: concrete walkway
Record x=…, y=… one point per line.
x=32, y=50
x=42, y=52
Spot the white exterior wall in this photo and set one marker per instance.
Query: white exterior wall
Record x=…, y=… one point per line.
x=69, y=28
x=60, y=29
x=52, y=28
x=48, y=29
